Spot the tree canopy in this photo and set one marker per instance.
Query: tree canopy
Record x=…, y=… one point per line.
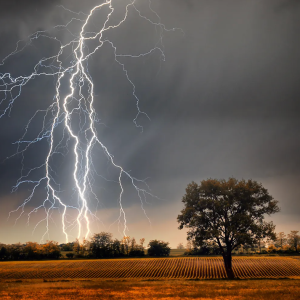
x=294, y=239
x=158, y=248
x=230, y=213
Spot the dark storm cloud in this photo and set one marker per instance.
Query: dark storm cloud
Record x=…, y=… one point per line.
x=286, y=5
x=190, y=4
x=17, y=12
x=19, y=19
x=19, y=6
x=234, y=79
x=225, y=102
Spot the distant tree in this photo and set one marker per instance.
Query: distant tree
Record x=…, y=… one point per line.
x=286, y=248
x=230, y=213
x=77, y=246
x=32, y=250
x=203, y=250
x=247, y=248
x=260, y=243
x=212, y=246
x=70, y=255
x=281, y=240
x=189, y=245
x=100, y=245
x=135, y=249
x=80, y=248
x=158, y=248
x=142, y=241
x=272, y=248
x=133, y=244
x=294, y=240
x=3, y=252
x=180, y=246
x=67, y=247
x=16, y=251
x=85, y=246
x=117, y=250
x=51, y=250
x=126, y=243
x=138, y=251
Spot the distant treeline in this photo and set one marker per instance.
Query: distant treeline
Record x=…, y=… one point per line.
x=101, y=245
x=30, y=251
x=284, y=244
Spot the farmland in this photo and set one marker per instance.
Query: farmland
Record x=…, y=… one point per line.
x=152, y=268
x=89, y=289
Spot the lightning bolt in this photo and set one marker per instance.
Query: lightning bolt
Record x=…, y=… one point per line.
x=73, y=113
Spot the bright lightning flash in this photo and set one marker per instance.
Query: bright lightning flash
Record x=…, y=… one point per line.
x=79, y=133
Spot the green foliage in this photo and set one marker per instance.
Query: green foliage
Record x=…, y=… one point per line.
x=30, y=251
x=158, y=248
x=198, y=251
x=206, y=249
x=67, y=247
x=294, y=240
x=137, y=253
x=229, y=213
x=50, y=250
x=70, y=255
x=3, y=253
x=33, y=250
x=101, y=245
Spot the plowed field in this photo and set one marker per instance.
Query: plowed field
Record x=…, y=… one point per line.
x=152, y=268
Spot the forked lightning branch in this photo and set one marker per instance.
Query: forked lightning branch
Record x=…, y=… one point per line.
x=70, y=121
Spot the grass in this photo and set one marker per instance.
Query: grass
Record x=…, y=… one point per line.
x=177, y=252
x=141, y=289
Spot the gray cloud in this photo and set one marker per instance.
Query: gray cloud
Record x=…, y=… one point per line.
x=225, y=102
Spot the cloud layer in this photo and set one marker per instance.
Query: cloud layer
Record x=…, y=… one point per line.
x=224, y=103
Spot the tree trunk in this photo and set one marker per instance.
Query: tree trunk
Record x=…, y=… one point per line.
x=228, y=265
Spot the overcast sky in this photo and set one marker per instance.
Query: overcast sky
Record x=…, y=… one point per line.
x=225, y=102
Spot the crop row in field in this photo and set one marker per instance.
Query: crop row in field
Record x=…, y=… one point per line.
x=160, y=268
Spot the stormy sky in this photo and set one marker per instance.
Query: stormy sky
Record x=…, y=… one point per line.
x=225, y=102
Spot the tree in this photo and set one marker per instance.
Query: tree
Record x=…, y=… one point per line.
x=133, y=244
x=229, y=213
x=158, y=248
x=15, y=251
x=100, y=244
x=32, y=250
x=142, y=241
x=272, y=248
x=180, y=246
x=126, y=243
x=67, y=247
x=258, y=245
x=70, y=255
x=280, y=240
x=294, y=239
x=189, y=245
x=51, y=250
x=77, y=246
x=3, y=252
x=85, y=247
